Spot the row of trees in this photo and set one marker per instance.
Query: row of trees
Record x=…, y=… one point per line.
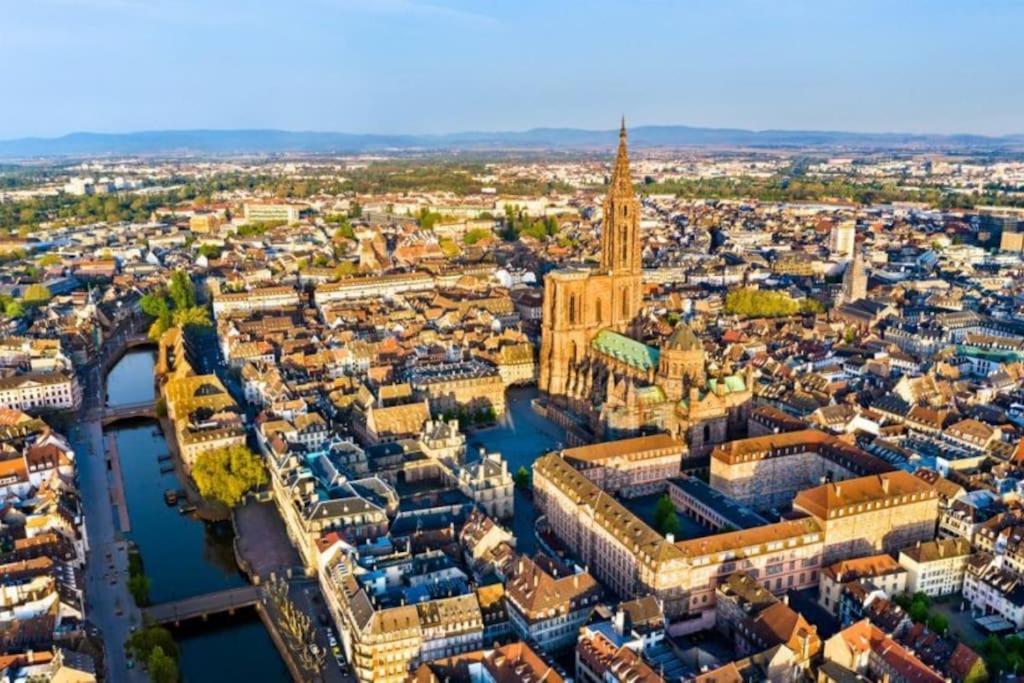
x=760, y=303
x=781, y=188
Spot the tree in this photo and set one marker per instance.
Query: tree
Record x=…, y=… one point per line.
x=670, y=524
x=142, y=643
x=227, y=474
x=662, y=509
x=35, y=295
x=181, y=290
x=475, y=235
x=14, y=309
x=522, y=478
x=938, y=623
x=162, y=668
x=759, y=303
x=47, y=260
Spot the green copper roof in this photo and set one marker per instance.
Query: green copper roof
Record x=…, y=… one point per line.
x=629, y=351
x=997, y=355
x=733, y=383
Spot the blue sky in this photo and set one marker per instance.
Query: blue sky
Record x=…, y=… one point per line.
x=428, y=66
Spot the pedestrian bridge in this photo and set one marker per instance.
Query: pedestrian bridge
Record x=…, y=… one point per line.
x=130, y=411
x=203, y=606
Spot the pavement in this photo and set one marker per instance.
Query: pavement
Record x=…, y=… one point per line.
x=106, y=571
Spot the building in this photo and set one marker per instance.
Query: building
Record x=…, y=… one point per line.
x=203, y=414
x=547, y=607
x=273, y=212
x=384, y=643
x=470, y=388
x=880, y=571
x=40, y=391
x=765, y=472
x=843, y=240
x=855, y=281
x=625, y=554
x=629, y=467
x=865, y=649
x=206, y=223
x=579, y=303
x=882, y=512
x=602, y=383
x=936, y=567
x=992, y=590
x=263, y=299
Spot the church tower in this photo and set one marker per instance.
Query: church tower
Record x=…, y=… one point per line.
x=580, y=303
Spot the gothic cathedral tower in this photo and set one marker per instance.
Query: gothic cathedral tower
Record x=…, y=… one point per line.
x=580, y=303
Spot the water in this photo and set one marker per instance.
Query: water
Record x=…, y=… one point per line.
x=131, y=380
x=521, y=437
x=183, y=556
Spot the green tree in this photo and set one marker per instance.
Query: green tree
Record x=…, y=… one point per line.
x=670, y=524
x=47, y=260
x=938, y=623
x=138, y=586
x=227, y=474
x=475, y=235
x=181, y=290
x=141, y=643
x=210, y=251
x=662, y=509
x=14, y=309
x=35, y=295
x=162, y=668
x=522, y=478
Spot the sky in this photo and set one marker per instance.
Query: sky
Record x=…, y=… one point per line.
x=438, y=66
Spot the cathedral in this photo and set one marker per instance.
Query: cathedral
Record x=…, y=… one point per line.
x=598, y=379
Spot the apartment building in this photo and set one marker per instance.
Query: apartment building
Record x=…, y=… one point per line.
x=936, y=567
x=767, y=471
x=629, y=467
x=262, y=299
x=273, y=212
x=548, y=607
x=881, y=571
x=884, y=512
x=40, y=391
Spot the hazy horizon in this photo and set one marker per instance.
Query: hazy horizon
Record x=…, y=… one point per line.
x=440, y=66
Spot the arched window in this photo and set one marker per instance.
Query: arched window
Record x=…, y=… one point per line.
x=572, y=309
x=707, y=433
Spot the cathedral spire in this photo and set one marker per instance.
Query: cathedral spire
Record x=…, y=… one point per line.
x=620, y=237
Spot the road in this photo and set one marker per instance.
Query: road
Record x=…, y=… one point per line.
x=306, y=596
x=106, y=571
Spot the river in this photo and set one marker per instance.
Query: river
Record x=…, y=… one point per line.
x=183, y=556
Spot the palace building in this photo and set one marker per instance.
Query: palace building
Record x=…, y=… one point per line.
x=601, y=382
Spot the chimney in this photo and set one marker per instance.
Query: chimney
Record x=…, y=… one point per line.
x=671, y=538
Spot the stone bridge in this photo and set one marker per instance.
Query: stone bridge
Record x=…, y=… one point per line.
x=203, y=606
x=130, y=411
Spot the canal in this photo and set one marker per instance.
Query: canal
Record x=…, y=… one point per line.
x=183, y=556
x=521, y=437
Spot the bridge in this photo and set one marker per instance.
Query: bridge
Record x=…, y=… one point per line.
x=129, y=411
x=117, y=346
x=203, y=606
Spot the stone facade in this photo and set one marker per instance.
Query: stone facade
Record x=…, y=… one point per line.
x=883, y=512
x=767, y=471
x=603, y=383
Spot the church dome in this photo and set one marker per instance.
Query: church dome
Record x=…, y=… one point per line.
x=683, y=339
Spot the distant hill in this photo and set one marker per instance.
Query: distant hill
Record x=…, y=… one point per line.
x=231, y=142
